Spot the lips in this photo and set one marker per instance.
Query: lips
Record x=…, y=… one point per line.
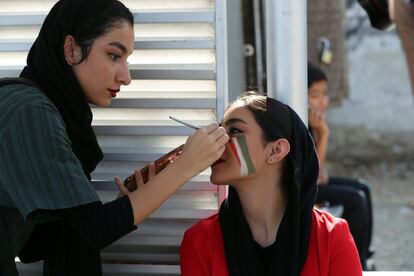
x=218, y=162
x=113, y=92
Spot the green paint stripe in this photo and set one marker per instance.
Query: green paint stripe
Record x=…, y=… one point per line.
x=245, y=152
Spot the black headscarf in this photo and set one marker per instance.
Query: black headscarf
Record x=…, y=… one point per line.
x=292, y=240
x=46, y=66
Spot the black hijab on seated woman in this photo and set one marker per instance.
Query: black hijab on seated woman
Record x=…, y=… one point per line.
x=288, y=254
x=62, y=249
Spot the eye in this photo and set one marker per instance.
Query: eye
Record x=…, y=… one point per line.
x=114, y=57
x=234, y=131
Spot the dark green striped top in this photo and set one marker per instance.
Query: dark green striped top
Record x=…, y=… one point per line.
x=39, y=172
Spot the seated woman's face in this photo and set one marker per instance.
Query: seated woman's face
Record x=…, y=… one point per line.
x=239, y=121
x=106, y=69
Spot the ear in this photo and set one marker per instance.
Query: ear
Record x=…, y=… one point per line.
x=71, y=50
x=278, y=150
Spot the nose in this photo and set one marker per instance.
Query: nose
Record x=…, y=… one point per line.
x=124, y=76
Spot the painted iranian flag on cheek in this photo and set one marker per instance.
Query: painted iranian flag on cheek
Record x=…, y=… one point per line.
x=239, y=147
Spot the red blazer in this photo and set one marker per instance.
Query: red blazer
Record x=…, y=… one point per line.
x=332, y=249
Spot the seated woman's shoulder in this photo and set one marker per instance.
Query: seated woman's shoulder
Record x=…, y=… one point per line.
x=201, y=238
x=326, y=221
x=205, y=227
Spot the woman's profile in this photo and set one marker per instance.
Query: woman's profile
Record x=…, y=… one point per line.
x=48, y=208
x=268, y=224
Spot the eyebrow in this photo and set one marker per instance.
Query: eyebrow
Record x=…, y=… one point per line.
x=120, y=46
x=233, y=121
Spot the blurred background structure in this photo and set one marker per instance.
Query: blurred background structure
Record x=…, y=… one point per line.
x=326, y=38
x=372, y=126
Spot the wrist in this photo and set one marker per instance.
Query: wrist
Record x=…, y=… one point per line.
x=183, y=169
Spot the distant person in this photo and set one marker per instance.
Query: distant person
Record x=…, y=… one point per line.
x=353, y=194
x=402, y=13
x=268, y=224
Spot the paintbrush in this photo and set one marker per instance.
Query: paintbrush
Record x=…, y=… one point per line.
x=184, y=123
x=160, y=163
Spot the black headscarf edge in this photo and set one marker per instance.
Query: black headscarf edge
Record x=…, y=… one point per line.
x=46, y=66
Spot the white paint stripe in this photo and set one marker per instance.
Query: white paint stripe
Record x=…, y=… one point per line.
x=243, y=167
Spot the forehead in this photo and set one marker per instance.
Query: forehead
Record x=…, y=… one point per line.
x=319, y=86
x=238, y=110
x=121, y=32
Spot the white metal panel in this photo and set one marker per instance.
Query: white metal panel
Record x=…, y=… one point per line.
x=169, y=61
x=147, y=36
x=31, y=12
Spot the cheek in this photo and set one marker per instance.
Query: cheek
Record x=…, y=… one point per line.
x=312, y=101
x=224, y=173
x=242, y=151
x=98, y=75
x=106, y=69
x=92, y=81
x=82, y=74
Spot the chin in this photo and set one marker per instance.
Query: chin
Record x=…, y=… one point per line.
x=103, y=103
x=219, y=180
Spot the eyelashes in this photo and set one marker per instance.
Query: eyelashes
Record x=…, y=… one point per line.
x=114, y=57
x=234, y=131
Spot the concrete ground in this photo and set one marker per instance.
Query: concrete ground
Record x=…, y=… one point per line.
x=373, y=137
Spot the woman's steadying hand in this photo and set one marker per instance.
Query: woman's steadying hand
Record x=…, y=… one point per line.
x=125, y=190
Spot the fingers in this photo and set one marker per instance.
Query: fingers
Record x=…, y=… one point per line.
x=220, y=152
x=151, y=171
x=218, y=133
x=204, y=147
x=314, y=112
x=138, y=178
x=213, y=131
x=122, y=189
x=219, y=138
x=222, y=140
x=313, y=117
x=316, y=118
x=210, y=128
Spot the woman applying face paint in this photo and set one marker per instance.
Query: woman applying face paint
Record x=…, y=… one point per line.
x=267, y=224
x=49, y=210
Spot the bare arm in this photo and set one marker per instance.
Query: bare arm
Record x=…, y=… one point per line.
x=201, y=150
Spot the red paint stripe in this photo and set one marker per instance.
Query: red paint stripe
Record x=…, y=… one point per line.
x=234, y=149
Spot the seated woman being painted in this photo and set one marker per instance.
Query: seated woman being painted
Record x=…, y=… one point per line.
x=267, y=225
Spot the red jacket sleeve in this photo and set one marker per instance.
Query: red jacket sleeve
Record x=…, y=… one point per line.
x=344, y=258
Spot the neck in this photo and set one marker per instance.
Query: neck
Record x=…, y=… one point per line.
x=263, y=206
